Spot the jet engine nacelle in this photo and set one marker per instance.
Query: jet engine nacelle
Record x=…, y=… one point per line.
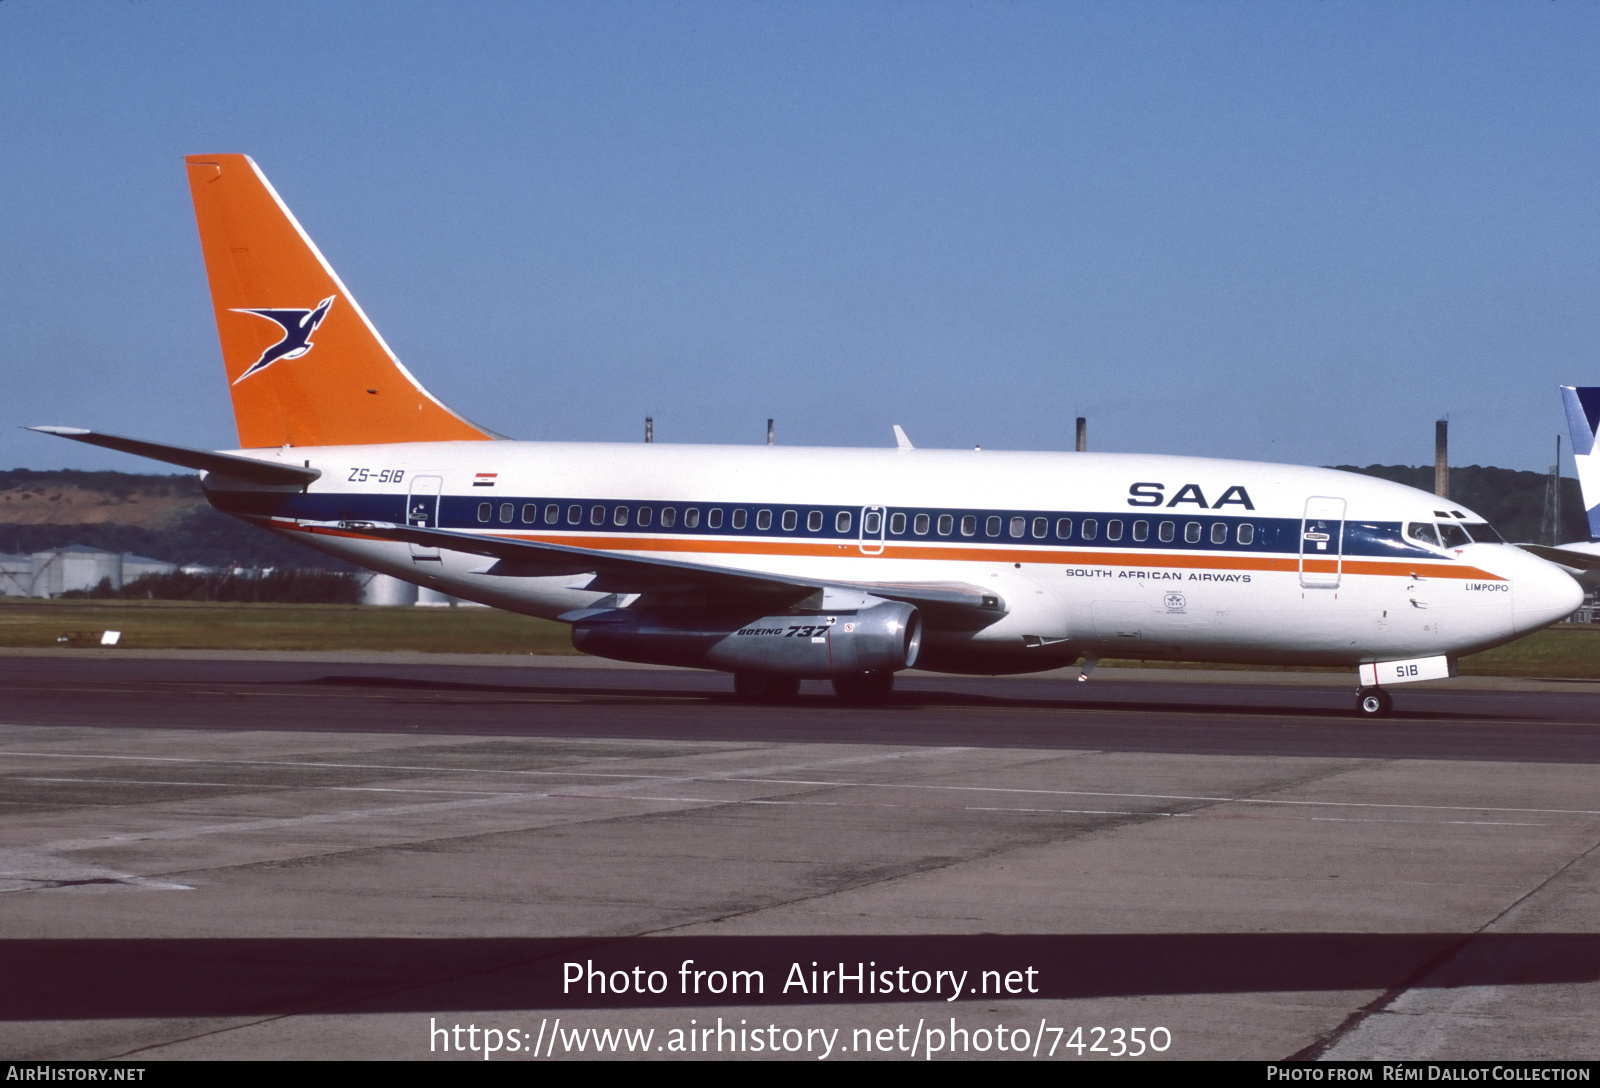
x=883, y=637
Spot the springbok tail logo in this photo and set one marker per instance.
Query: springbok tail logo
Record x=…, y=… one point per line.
x=297, y=325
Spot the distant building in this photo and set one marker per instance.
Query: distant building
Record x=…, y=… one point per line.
x=61, y=570
x=16, y=575
x=385, y=589
x=135, y=567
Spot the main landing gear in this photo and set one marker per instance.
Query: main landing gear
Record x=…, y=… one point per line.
x=1373, y=703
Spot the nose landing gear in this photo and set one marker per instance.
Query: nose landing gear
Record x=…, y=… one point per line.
x=1373, y=703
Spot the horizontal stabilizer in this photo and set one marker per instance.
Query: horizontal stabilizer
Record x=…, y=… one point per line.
x=226, y=464
x=949, y=604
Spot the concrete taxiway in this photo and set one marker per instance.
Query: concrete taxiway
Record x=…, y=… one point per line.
x=328, y=856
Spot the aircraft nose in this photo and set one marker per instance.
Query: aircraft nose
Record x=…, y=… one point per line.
x=1544, y=594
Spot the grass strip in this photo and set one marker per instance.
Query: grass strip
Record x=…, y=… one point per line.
x=1567, y=651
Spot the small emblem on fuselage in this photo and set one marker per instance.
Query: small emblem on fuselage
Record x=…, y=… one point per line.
x=297, y=325
x=1174, y=602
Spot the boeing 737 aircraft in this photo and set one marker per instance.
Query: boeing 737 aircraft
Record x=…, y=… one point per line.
x=777, y=563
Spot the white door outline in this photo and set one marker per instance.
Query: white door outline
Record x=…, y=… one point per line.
x=1322, y=538
x=422, y=510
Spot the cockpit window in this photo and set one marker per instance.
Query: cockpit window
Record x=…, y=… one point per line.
x=1483, y=532
x=1423, y=531
x=1454, y=536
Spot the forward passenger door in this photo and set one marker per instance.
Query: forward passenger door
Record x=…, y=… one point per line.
x=1322, y=543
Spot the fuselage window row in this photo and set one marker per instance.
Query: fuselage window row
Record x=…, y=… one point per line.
x=899, y=522
x=879, y=524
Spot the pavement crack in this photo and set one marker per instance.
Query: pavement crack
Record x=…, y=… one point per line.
x=1329, y=1040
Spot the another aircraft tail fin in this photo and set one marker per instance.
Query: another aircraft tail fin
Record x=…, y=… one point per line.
x=305, y=366
x=1583, y=423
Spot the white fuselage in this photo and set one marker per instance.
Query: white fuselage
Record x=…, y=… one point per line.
x=1187, y=558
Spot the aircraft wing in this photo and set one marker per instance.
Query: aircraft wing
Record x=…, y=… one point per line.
x=953, y=605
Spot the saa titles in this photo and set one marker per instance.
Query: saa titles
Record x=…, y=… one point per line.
x=1154, y=494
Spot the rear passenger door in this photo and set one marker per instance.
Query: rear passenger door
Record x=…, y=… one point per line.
x=422, y=511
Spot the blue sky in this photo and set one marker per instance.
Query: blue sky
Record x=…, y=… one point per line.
x=1285, y=232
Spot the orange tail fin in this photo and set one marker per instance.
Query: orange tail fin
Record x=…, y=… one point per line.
x=305, y=366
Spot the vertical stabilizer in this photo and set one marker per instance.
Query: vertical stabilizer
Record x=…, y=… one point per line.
x=1583, y=422
x=305, y=366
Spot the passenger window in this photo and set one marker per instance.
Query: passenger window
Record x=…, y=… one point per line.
x=619, y=516
x=919, y=525
x=992, y=526
x=714, y=518
x=643, y=516
x=485, y=511
x=897, y=524
x=1113, y=529
x=790, y=521
x=691, y=517
x=872, y=522
x=1191, y=532
x=552, y=514
x=508, y=511
x=1019, y=526
x=530, y=513
x=1246, y=533
x=946, y=523
x=1089, y=529
x=1219, y=532
x=1423, y=531
x=1141, y=530
x=740, y=516
x=763, y=519
x=574, y=515
x=1064, y=528
x=841, y=522
x=1165, y=532
x=669, y=516
x=814, y=521
x=969, y=525
x=1041, y=526
x=597, y=515
x=1453, y=535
